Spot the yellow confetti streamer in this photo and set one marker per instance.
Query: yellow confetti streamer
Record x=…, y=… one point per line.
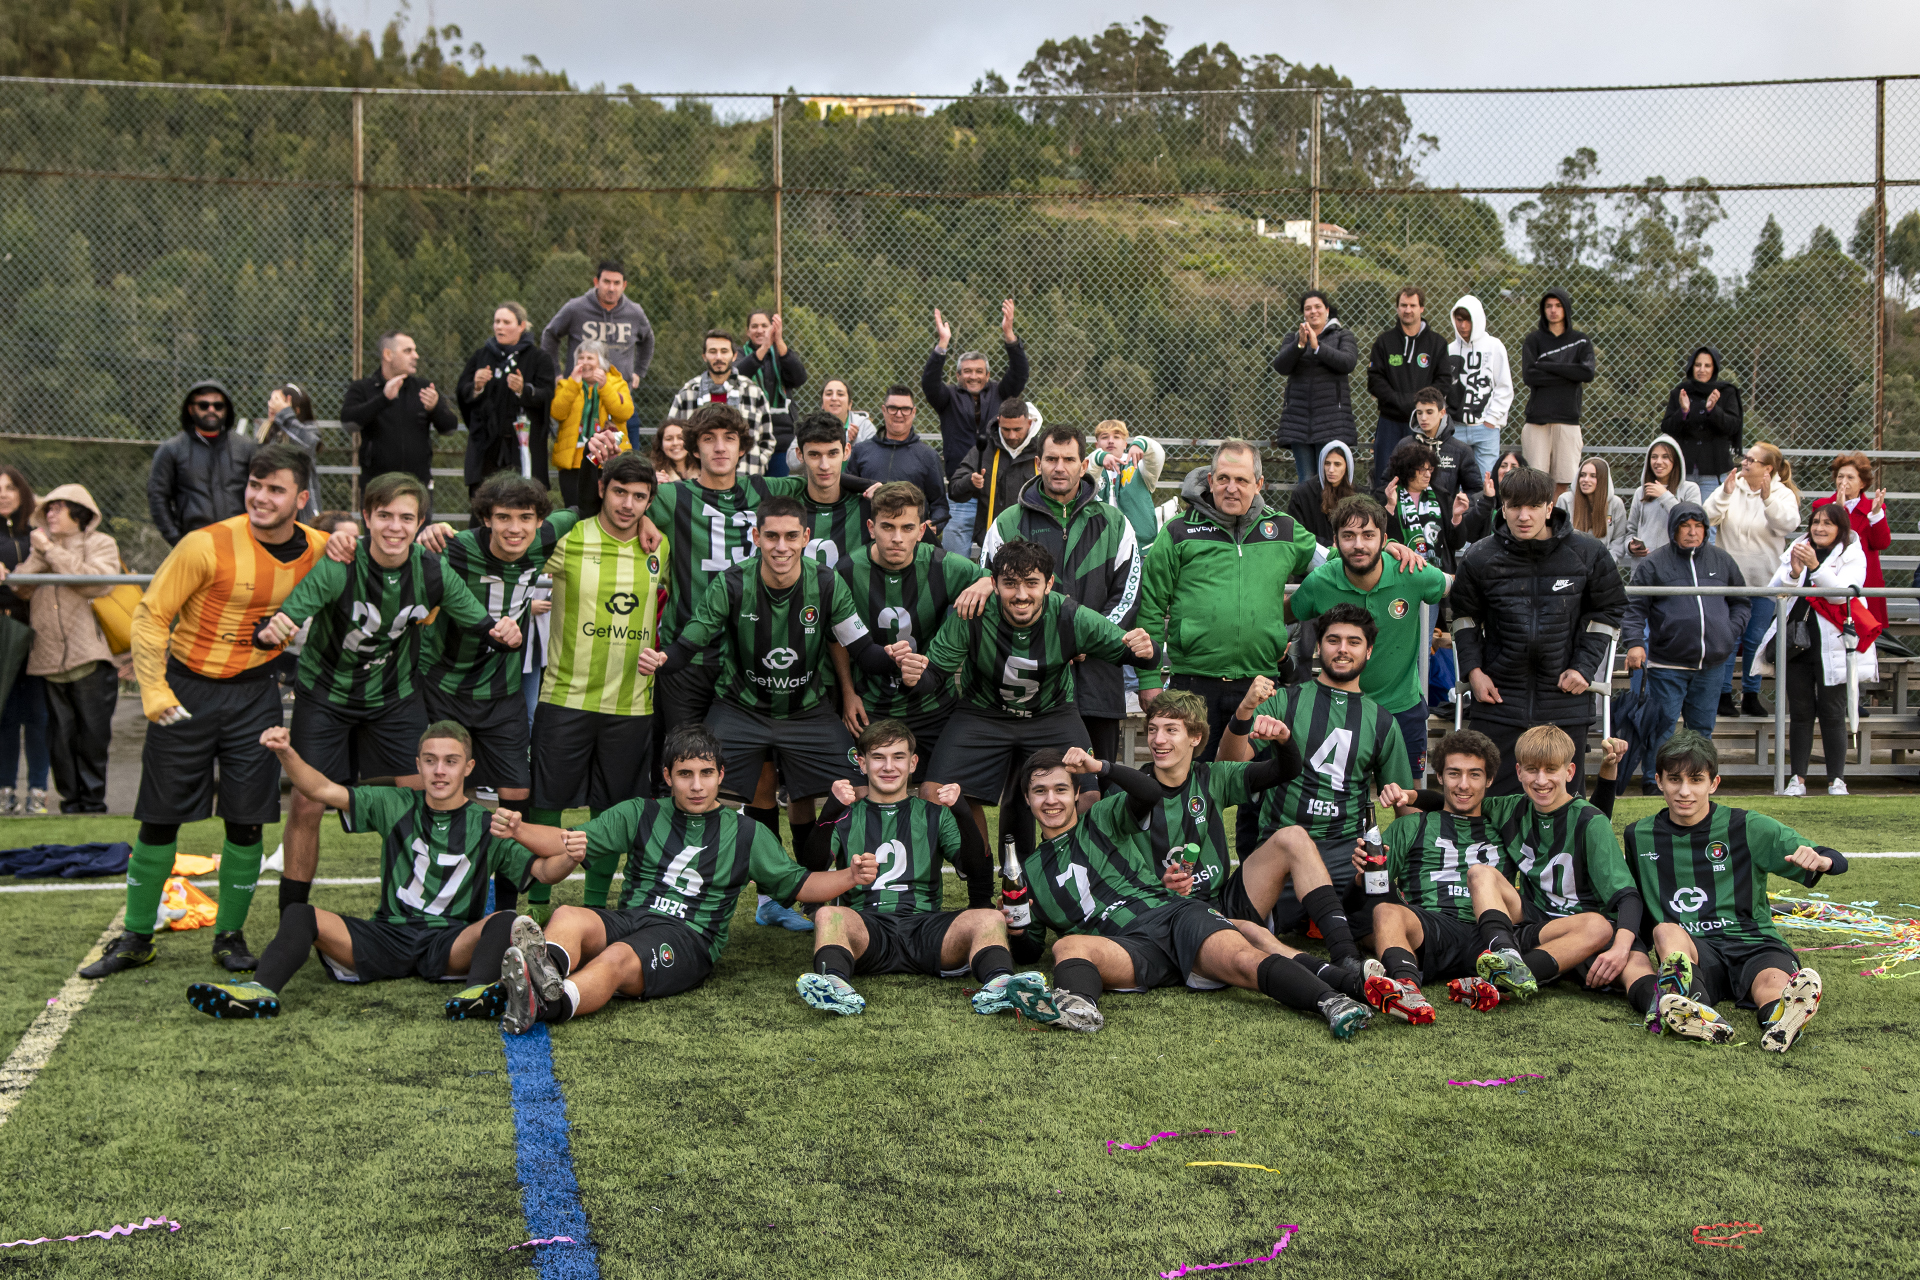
x=1230, y=1164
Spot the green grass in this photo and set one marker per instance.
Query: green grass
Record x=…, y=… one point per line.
x=733, y=1132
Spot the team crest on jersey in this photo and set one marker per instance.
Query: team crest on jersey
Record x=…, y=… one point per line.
x=653, y=565
x=809, y=616
x=1268, y=529
x=1717, y=853
x=1423, y=359
x=622, y=603
x=1398, y=608
x=1196, y=805
x=853, y=756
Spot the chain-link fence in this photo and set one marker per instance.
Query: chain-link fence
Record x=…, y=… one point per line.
x=1157, y=245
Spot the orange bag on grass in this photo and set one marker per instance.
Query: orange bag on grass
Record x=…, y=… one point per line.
x=184, y=906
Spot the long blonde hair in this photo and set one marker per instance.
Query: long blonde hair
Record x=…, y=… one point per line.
x=1782, y=468
x=1590, y=511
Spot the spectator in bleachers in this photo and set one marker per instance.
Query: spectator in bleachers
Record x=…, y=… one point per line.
x=968, y=410
x=1852, y=477
x=1405, y=359
x=1315, y=360
x=1486, y=504
x=1419, y=515
x=396, y=415
x=900, y=454
x=668, y=453
x=1704, y=415
x=200, y=476
x=719, y=384
x=26, y=707
x=1556, y=362
x=1456, y=467
x=1596, y=509
x=290, y=421
x=70, y=652
x=834, y=399
x=770, y=364
x=1816, y=678
x=1315, y=496
x=1482, y=390
x=1754, y=515
x=591, y=400
x=1663, y=483
x=606, y=315
x=506, y=387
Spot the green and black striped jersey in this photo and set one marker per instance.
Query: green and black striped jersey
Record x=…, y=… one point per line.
x=909, y=604
x=1711, y=878
x=1568, y=861
x=690, y=866
x=435, y=864
x=909, y=840
x=1024, y=671
x=363, y=649
x=1093, y=879
x=773, y=643
x=1194, y=814
x=1428, y=855
x=606, y=610
x=835, y=529
x=461, y=663
x=709, y=531
x=1352, y=749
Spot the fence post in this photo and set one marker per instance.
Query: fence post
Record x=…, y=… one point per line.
x=359, y=273
x=1780, y=606
x=779, y=182
x=1879, y=264
x=1313, y=196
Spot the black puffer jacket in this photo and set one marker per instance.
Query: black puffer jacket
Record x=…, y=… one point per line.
x=1710, y=439
x=195, y=481
x=1524, y=612
x=1319, y=404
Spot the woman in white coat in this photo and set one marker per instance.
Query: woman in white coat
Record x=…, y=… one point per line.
x=1754, y=516
x=1816, y=680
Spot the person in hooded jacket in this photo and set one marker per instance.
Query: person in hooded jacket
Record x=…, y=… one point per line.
x=994, y=471
x=1556, y=362
x=1596, y=510
x=1754, y=516
x=1684, y=641
x=1482, y=389
x=507, y=379
x=70, y=652
x=1662, y=484
x=200, y=476
x=1315, y=360
x=1704, y=414
x=1485, y=511
x=1406, y=359
x=1456, y=468
x=1313, y=499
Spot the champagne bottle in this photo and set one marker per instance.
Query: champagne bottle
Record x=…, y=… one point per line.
x=1015, y=896
x=1375, y=876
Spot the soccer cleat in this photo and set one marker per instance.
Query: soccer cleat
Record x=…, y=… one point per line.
x=1798, y=1003
x=523, y=1006
x=1507, y=971
x=1476, y=993
x=231, y=951
x=1400, y=997
x=1344, y=1015
x=831, y=993
x=128, y=951
x=1688, y=1017
x=1676, y=975
x=771, y=912
x=485, y=1003
x=546, y=975
x=997, y=995
x=234, y=1000
x=1068, y=1010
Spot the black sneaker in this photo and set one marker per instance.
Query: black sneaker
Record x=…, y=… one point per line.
x=231, y=952
x=128, y=951
x=1729, y=709
x=1750, y=705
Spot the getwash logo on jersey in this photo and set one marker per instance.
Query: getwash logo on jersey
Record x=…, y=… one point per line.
x=614, y=631
x=1688, y=899
x=779, y=659
x=622, y=603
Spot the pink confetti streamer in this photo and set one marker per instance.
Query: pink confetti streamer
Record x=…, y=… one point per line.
x=118, y=1229
x=1286, y=1234
x=528, y=1244
x=1218, y=1133
x=1489, y=1084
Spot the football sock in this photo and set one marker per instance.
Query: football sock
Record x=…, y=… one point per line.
x=561, y=960
x=833, y=960
x=1545, y=967
x=1282, y=980
x=506, y=894
x=299, y=929
x=1401, y=963
x=1312, y=964
x=239, y=877
x=1323, y=904
x=1082, y=977
x=990, y=962
x=1771, y=1014
x=562, y=1009
x=802, y=832
x=496, y=935
x=1643, y=993
x=1496, y=931
x=768, y=817
x=973, y=862
x=147, y=873
x=293, y=893
x=539, y=895
x=542, y=894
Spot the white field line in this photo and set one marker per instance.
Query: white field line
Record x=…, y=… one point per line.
x=23, y=1065
x=211, y=883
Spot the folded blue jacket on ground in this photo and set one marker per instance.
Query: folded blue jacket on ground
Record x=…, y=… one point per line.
x=71, y=861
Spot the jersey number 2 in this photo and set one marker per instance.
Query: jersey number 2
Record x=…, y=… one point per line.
x=892, y=857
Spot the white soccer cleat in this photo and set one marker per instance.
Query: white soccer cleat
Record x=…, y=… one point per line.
x=1798, y=1003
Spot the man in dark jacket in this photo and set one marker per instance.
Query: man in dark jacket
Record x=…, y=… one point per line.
x=1458, y=468
x=1099, y=567
x=898, y=453
x=1406, y=358
x=200, y=476
x=508, y=378
x=1684, y=641
x=1536, y=609
x=1556, y=363
x=396, y=415
x=995, y=471
x=770, y=364
x=968, y=409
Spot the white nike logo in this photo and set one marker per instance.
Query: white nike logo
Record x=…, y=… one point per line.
x=1561, y=584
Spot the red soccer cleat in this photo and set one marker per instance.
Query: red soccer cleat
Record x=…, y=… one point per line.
x=1401, y=998
x=1476, y=993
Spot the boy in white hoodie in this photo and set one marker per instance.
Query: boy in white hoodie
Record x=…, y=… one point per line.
x=1482, y=383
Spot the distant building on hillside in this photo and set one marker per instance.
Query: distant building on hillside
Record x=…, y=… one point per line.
x=1332, y=236
x=864, y=108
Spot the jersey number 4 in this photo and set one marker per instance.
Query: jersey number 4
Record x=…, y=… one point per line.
x=1331, y=759
x=414, y=894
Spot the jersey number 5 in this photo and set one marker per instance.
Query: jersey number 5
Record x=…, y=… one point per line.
x=1014, y=687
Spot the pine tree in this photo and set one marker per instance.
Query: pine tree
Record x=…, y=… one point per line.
x=1771, y=247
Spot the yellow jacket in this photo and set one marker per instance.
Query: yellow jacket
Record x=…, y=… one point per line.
x=616, y=406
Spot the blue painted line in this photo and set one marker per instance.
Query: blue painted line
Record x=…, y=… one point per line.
x=543, y=1160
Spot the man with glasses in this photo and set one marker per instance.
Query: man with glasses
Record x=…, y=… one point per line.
x=199, y=477
x=898, y=453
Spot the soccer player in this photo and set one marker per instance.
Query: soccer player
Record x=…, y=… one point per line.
x=835, y=508
x=356, y=710
x=208, y=695
x=1121, y=929
x=896, y=924
x=903, y=588
x=1015, y=664
x=438, y=850
x=1702, y=869
x=687, y=858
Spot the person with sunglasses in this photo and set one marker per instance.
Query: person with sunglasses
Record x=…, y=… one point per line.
x=199, y=477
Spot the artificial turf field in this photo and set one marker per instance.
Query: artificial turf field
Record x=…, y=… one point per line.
x=733, y=1132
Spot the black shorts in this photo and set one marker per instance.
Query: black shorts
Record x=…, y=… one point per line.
x=382, y=951
x=1449, y=947
x=1289, y=914
x=1165, y=944
x=592, y=758
x=1532, y=920
x=927, y=727
x=177, y=762
x=812, y=750
x=980, y=750
x=346, y=746
x=684, y=696
x=673, y=957
x=500, y=735
x=1728, y=966
x=906, y=944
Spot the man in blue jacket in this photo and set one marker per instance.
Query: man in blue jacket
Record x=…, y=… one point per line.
x=898, y=453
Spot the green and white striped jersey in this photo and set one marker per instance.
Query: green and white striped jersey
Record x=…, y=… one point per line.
x=606, y=609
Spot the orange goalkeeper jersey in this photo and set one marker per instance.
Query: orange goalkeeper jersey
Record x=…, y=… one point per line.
x=203, y=603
